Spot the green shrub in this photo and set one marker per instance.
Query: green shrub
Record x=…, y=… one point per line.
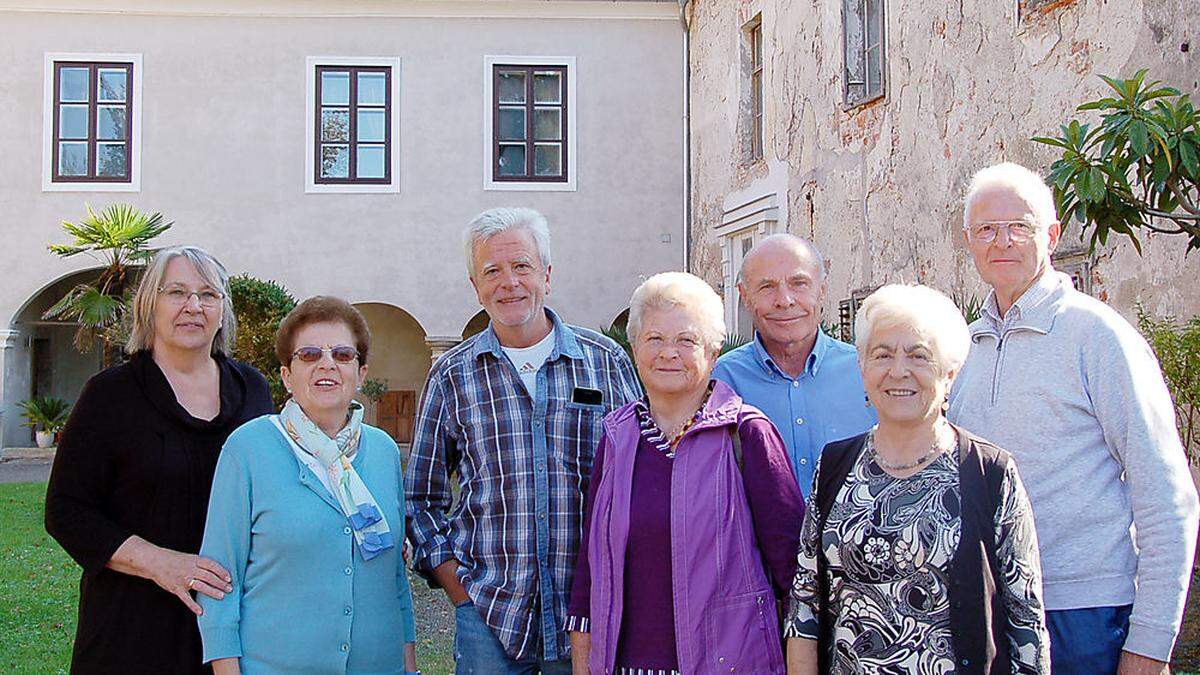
x=260, y=306
x=1177, y=346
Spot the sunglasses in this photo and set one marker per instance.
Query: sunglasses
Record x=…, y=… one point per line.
x=340, y=354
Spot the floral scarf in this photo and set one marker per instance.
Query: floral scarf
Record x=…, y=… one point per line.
x=371, y=531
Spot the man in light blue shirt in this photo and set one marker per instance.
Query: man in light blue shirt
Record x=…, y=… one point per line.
x=806, y=382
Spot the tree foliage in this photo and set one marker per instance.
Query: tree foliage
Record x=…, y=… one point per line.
x=119, y=238
x=1138, y=170
x=1177, y=346
x=260, y=306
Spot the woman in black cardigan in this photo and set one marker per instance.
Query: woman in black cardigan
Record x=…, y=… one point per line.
x=918, y=552
x=128, y=493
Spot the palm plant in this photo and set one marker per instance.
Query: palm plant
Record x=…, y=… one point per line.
x=119, y=238
x=45, y=413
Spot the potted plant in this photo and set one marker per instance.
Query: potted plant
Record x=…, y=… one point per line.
x=46, y=415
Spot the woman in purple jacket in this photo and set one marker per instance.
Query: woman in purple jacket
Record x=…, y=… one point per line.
x=692, y=513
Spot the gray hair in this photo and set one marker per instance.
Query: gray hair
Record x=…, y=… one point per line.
x=1027, y=184
x=494, y=221
x=141, y=337
x=679, y=289
x=928, y=312
x=795, y=241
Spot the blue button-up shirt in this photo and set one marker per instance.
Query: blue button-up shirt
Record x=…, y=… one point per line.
x=522, y=467
x=825, y=403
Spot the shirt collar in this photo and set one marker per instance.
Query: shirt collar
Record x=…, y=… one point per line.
x=812, y=366
x=565, y=343
x=1034, y=309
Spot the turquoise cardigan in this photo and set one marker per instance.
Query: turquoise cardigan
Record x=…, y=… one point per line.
x=303, y=599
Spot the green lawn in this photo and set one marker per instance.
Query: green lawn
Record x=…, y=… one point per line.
x=39, y=587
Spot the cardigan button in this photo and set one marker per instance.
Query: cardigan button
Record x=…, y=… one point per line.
x=966, y=662
x=345, y=647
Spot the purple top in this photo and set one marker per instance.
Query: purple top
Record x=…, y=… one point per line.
x=647, y=638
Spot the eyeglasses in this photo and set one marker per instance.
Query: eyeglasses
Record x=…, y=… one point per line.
x=178, y=295
x=1018, y=231
x=340, y=354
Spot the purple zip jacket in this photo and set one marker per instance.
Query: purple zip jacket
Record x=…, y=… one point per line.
x=725, y=617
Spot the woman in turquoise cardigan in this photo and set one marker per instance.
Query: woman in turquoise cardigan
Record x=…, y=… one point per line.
x=307, y=514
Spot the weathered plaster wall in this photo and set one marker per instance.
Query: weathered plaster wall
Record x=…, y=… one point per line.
x=879, y=187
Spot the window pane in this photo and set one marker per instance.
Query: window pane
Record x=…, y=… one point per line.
x=110, y=159
x=512, y=160
x=854, y=43
x=372, y=88
x=547, y=124
x=73, y=84
x=874, y=72
x=335, y=124
x=512, y=87
x=512, y=124
x=547, y=88
x=72, y=159
x=112, y=84
x=110, y=122
x=335, y=161
x=547, y=159
x=370, y=161
x=874, y=21
x=73, y=121
x=335, y=88
x=371, y=125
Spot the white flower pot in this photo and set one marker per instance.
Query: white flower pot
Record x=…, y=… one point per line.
x=45, y=439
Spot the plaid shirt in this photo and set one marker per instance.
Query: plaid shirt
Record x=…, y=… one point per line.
x=523, y=465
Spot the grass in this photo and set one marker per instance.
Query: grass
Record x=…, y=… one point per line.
x=39, y=592
x=39, y=588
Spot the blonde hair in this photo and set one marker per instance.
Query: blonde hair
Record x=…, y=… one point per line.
x=1028, y=185
x=928, y=312
x=679, y=289
x=141, y=337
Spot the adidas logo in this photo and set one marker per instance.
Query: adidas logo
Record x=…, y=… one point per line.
x=527, y=368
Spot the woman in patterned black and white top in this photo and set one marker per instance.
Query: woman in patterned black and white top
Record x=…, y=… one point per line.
x=918, y=552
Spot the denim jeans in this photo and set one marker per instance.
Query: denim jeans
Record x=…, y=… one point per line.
x=1087, y=641
x=478, y=652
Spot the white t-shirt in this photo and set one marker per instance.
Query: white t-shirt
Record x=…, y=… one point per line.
x=528, y=360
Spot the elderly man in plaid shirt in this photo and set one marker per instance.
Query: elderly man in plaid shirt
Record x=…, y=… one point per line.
x=515, y=413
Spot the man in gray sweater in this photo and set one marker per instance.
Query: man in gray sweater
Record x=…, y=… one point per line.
x=1072, y=390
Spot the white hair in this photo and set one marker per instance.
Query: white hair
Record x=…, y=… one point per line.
x=1028, y=185
x=679, y=289
x=494, y=221
x=926, y=311
x=141, y=337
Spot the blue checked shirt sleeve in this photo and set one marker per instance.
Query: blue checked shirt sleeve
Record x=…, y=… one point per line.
x=435, y=454
x=629, y=387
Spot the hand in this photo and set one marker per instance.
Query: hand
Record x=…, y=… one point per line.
x=410, y=657
x=1136, y=664
x=581, y=649
x=178, y=573
x=801, y=656
x=406, y=551
x=446, y=575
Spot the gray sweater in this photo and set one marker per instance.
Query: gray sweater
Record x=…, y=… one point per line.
x=1076, y=395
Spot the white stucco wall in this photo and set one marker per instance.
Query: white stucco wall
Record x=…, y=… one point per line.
x=879, y=187
x=224, y=115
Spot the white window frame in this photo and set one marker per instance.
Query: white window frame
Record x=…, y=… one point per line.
x=311, y=186
x=754, y=219
x=572, y=111
x=48, y=112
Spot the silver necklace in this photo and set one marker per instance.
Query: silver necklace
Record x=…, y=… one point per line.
x=934, y=450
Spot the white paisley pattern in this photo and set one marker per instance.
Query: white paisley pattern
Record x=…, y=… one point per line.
x=889, y=543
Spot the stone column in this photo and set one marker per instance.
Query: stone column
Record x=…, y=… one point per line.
x=8, y=403
x=440, y=344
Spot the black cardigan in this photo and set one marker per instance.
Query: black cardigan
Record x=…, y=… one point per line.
x=132, y=461
x=978, y=618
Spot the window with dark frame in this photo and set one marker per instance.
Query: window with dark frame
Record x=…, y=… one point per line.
x=353, y=119
x=865, y=58
x=756, y=90
x=93, y=118
x=529, y=123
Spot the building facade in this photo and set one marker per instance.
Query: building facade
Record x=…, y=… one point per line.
x=858, y=123
x=339, y=148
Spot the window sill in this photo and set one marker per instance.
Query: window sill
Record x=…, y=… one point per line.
x=73, y=186
x=856, y=105
x=351, y=188
x=530, y=186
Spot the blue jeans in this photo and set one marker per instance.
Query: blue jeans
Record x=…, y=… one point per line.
x=478, y=652
x=1087, y=641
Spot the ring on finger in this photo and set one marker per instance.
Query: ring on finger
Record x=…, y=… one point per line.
x=191, y=582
